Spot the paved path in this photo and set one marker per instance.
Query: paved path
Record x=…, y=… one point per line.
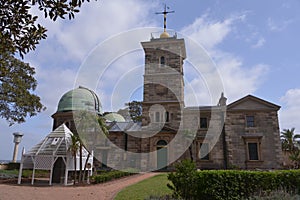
x=105, y=191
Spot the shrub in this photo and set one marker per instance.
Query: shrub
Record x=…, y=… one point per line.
x=276, y=195
x=230, y=184
x=109, y=175
x=184, y=180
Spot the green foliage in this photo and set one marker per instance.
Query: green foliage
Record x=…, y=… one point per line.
x=13, y=166
x=73, y=148
x=290, y=144
x=20, y=33
x=108, y=176
x=230, y=184
x=135, y=110
x=17, y=84
x=184, y=180
x=151, y=188
x=289, y=139
x=27, y=173
x=19, y=30
x=276, y=195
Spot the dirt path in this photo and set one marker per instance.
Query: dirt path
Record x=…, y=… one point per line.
x=105, y=191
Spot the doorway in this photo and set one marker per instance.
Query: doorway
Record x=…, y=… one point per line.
x=162, y=155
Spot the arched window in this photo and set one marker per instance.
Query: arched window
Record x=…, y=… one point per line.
x=161, y=143
x=162, y=61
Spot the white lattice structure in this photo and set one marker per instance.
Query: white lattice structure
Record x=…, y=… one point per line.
x=45, y=154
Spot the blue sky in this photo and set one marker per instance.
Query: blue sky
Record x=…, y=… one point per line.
x=254, y=45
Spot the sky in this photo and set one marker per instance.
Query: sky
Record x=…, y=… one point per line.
x=253, y=45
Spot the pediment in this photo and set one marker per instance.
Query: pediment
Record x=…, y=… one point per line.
x=252, y=103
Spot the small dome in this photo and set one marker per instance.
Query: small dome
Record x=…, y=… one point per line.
x=164, y=35
x=79, y=99
x=114, y=117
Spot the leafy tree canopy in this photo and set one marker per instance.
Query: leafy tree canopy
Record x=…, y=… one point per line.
x=135, y=110
x=20, y=33
x=289, y=139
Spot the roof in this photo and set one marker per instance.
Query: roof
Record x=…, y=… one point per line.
x=202, y=108
x=251, y=102
x=124, y=126
x=56, y=143
x=79, y=99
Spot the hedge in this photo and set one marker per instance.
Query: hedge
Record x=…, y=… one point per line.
x=230, y=184
x=110, y=175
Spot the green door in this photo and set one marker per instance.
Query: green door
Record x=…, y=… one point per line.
x=162, y=155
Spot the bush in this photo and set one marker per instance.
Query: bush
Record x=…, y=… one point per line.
x=230, y=184
x=184, y=180
x=276, y=195
x=109, y=175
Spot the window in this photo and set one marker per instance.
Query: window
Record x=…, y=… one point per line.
x=250, y=121
x=167, y=117
x=253, y=151
x=54, y=141
x=162, y=61
x=157, y=117
x=204, y=151
x=203, y=122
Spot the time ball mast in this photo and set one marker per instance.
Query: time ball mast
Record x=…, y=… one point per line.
x=165, y=34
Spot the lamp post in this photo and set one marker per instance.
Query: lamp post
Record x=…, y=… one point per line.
x=17, y=140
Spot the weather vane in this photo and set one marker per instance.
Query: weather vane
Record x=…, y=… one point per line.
x=165, y=12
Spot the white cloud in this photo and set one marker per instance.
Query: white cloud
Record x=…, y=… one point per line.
x=261, y=41
x=58, y=59
x=240, y=80
x=290, y=112
x=225, y=68
x=278, y=25
x=101, y=20
x=208, y=33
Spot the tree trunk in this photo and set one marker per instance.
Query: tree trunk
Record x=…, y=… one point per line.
x=86, y=162
x=80, y=163
x=75, y=171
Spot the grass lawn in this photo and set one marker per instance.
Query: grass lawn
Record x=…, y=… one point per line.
x=155, y=186
x=26, y=173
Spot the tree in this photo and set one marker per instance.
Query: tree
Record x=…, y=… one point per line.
x=16, y=83
x=88, y=125
x=135, y=110
x=290, y=145
x=295, y=157
x=73, y=148
x=289, y=139
x=20, y=34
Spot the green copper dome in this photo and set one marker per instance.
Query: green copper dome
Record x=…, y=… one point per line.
x=79, y=99
x=114, y=117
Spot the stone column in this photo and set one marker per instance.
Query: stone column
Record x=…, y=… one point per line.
x=17, y=140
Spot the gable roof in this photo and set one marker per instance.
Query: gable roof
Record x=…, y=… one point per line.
x=251, y=102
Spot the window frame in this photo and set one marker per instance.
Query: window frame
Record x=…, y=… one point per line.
x=250, y=123
x=162, y=61
x=253, y=140
x=200, y=123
